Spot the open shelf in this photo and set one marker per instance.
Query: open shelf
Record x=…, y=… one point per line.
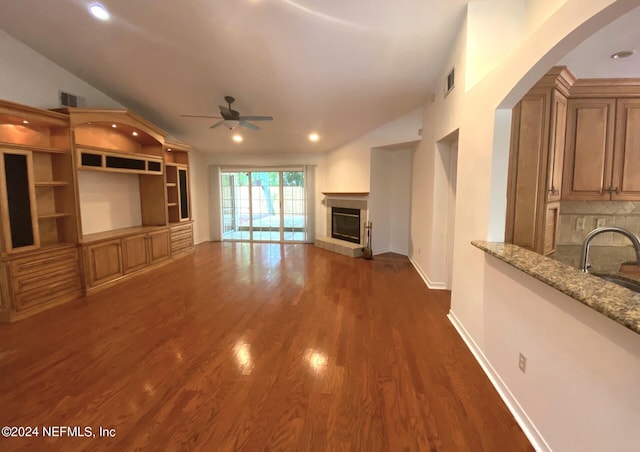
x=53, y=216
x=53, y=183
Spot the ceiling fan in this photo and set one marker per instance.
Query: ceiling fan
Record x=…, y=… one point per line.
x=231, y=118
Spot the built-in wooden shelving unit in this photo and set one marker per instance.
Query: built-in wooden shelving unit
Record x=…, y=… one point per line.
x=41, y=153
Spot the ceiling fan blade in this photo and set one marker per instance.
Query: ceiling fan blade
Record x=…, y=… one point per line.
x=248, y=125
x=256, y=118
x=217, y=124
x=201, y=116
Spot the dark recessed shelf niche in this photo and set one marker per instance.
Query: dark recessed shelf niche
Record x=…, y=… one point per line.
x=91, y=159
x=125, y=163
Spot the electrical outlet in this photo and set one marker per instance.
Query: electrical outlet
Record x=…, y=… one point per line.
x=580, y=224
x=522, y=363
x=600, y=223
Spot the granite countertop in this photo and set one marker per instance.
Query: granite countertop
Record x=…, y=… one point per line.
x=616, y=302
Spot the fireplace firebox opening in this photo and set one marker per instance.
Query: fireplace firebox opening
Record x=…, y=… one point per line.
x=345, y=224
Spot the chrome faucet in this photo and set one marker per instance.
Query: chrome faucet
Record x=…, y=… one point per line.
x=584, y=260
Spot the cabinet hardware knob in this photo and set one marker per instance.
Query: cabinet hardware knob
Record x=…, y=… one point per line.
x=615, y=190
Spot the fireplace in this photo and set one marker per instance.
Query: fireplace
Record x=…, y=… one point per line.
x=345, y=224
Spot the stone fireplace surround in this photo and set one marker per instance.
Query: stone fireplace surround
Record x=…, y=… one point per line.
x=352, y=201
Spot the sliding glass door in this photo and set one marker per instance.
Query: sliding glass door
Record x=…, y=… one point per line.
x=267, y=206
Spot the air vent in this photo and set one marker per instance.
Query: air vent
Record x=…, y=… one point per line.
x=71, y=100
x=450, y=82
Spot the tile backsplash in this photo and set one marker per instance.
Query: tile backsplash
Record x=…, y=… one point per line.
x=613, y=213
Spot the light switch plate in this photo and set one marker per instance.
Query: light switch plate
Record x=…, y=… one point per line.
x=580, y=224
x=600, y=223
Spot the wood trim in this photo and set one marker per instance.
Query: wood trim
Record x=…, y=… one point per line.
x=337, y=194
x=605, y=87
x=118, y=234
x=558, y=77
x=176, y=146
x=79, y=116
x=33, y=114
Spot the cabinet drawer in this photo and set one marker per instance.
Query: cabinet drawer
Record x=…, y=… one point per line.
x=180, y=245
x=47, y=294
x=45, y=263
x=25, y=283
x=181, y=231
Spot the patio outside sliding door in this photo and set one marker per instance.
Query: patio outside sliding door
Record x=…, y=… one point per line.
x=265, y=206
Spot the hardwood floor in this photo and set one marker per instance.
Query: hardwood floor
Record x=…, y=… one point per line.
x=254, y=347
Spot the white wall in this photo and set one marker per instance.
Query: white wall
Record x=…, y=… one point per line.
x=485, y=48
x=379, y=201
x=389, y=200
x=199, y=175
x=537, y=11
x=400, y=208
x=108, y=201
x=349, y=166
x=581, y=390
x=29, y=78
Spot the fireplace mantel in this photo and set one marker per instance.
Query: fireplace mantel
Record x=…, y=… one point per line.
x=346, y=194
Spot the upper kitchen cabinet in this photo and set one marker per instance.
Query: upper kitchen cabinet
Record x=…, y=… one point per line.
x=625, y=180
x=602, y=158
x=589, y=151
x=536, y=162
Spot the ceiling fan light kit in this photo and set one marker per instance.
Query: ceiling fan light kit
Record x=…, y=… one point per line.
x=231, y=118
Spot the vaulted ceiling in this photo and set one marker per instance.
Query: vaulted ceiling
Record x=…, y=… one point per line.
x=339, y=68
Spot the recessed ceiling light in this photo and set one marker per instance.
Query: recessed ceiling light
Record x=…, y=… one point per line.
x=168, y=149
x=114, y=125
x=623, y=54
x=135, y=134
x=99, y=12
x=25, y=121
x=237, y=138
x=314, y=136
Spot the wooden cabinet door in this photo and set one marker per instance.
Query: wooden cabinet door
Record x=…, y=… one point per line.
x=158, y=245
x=528, y=169
x=589, y=150
x=558, y=130
x=134, y=253
x=103, y=262
x=625, y=181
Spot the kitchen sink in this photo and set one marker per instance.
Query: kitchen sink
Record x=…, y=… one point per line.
x=621, y=281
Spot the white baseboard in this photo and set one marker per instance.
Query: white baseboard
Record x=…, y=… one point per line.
x=430, y=284
x=382, y=251
x=530, y=430
x=403, y=252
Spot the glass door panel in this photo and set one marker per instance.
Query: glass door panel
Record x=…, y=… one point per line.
x=265, y=201
x=294, y=206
